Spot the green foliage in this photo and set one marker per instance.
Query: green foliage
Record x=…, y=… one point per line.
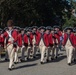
x=35, y=12
x=72, y=20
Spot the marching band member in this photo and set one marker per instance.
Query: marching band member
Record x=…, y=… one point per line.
x=69, y=44
x=11, y=38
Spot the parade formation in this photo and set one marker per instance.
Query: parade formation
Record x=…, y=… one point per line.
x=48, y=41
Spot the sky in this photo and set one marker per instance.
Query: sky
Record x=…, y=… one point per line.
x=70, y=0
x=74, y=0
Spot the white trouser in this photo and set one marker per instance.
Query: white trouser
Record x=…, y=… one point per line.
x=69, y=52
x=23, y=48
x=16, y=55
x=29, y=48
x=42, y=51
x=11, y=53
x=34, y=50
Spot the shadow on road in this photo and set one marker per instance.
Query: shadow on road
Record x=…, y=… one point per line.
x=31, y=59
x=27, y=65
x=4, y=61
x=59, y=58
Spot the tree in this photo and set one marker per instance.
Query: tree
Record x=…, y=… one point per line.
x=34, y=12
x=72, y=20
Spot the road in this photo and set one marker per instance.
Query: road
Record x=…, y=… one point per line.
x=33, y=67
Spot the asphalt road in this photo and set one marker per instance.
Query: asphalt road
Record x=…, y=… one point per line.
x=33, y=67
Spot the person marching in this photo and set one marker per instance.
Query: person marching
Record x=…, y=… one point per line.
x=1, y=42
x=34, y=41
x=57, y=35
x=11, y=38
x=29, y=43
x=49, y=40
x=43, y=42
x=16, y=59
x=22, y=41
x=52, y=43
x=68, y=43
x=74, y=38
x=6, y=52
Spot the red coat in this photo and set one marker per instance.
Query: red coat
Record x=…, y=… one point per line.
x=14, y=35
x=50, y=39
x=45, y=39
x=30, y=37
x=66, y=38
x=57, y=36
x=74, y=40
x=37, y=37
x=1, y=41
x=22, y=38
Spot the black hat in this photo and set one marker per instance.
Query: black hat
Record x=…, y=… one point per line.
x=29, y=30
x=56, y=26
x=5, y=28
x=52, y=29
x=26, y=28
x=0, y=29
x=48, y=28
x=42, y=27
x=16, y=27
x=74, y=30
x=34, y=27
x=68, y=28
x=22, y=29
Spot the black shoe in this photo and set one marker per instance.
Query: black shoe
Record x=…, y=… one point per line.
x=56, y=57
x=74, y=60
x=13, y=66
x=69, y=64
x=10, y=69
x=27, y=58
x=22, y=60
x=6, y=59
x=34, y=56
x=15, y=62
x=45, y=55
x=42, y=62
x=52, y=58
x=47, y=60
